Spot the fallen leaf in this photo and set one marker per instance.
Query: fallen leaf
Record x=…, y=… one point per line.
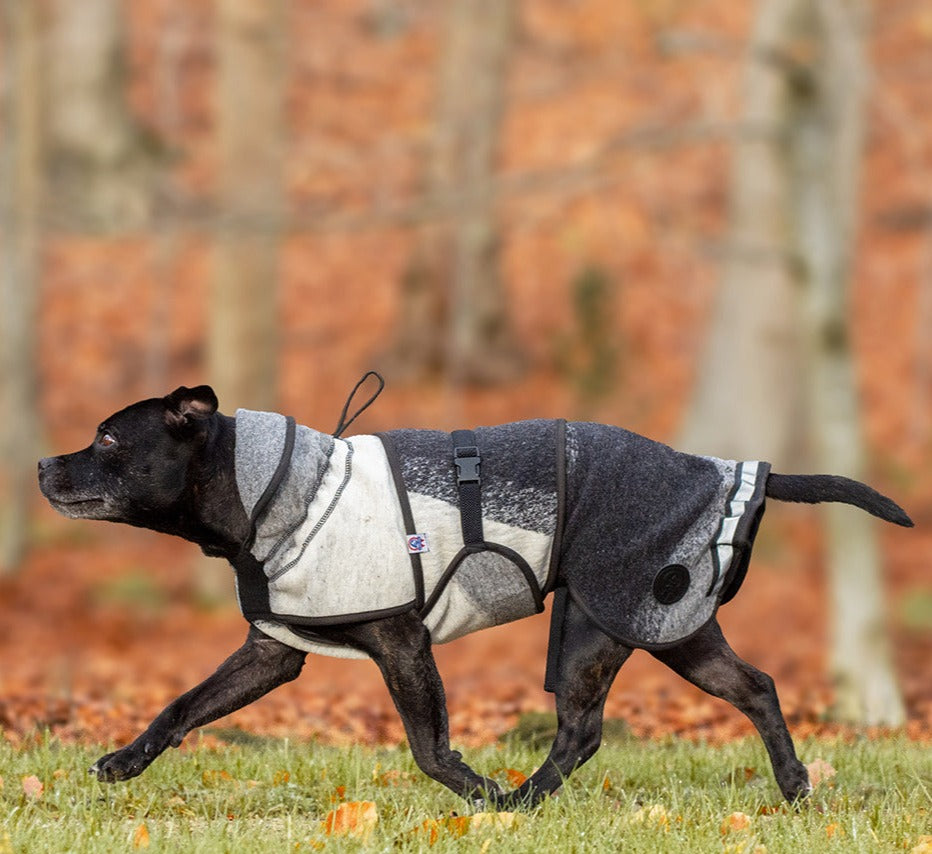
x=769, y=809
x=922, y=846
x=396, y=778
x=652, y=814
x=338, y=794
x=743, y=848
x=456, y=826
x=33, y=788
x=735, y=822
x=513, y=776
x=429, y=827
x=141, y=837
x=354, y=818
x=215, y=778
x=505, y=820
x=281, y=777
x=834, y=829
x=820, y=772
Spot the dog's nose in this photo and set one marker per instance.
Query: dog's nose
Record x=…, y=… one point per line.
x=45, y=464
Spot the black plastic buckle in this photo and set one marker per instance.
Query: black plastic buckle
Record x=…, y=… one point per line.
x=467, y=460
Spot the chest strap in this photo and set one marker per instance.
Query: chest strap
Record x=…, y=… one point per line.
x=468, y=482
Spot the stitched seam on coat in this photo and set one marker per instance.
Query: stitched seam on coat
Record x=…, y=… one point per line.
x=307, y=504
x=348, y=471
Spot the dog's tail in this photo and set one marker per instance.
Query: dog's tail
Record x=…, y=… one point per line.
x=816, y=488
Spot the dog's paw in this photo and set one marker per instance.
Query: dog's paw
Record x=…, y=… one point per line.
x=121, y=765
x=796, y=786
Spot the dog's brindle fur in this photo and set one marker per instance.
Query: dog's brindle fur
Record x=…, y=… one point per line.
x=168, y=464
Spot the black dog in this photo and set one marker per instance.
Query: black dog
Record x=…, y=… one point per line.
x=640, y=544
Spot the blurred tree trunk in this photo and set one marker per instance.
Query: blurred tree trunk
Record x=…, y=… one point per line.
x=101, y=160
x=825, y=146
x=795, y=196
x=243, y=348
x=747, y=402
x=20, y=189
x=454, y=309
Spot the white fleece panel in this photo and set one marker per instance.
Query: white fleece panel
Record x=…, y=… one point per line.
x=487, y=589
x=348, y=555
x=357, y=561
x=289, y=638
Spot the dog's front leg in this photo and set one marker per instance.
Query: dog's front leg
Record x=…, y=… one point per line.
x=400, y=646
x=257, y=667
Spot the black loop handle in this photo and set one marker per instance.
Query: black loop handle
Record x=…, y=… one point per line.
x=343, y=424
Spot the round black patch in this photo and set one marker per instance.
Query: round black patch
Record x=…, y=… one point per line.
x=671, y=584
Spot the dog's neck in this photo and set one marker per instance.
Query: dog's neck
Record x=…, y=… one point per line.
x=215, y=519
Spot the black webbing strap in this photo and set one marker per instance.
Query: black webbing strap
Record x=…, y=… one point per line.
x=251, y=582
x=391, y=454
x=557, y=544
x=467, y=461
x=557, y=614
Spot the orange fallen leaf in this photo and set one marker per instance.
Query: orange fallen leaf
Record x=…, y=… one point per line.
x=742, y=847
x=429, y=827
x=141, y=837
x=32, y=787
x=769, y=809
x=281, y=777
x=833, y=829
x=735, y=822
x=396, y=778
x=354, y=818
x=513, y=776
x=338, y=794
x=922, y=846
x=459, y=825
x=215, y=778
x=820, y=772
x=651, y=814
x=494, y=819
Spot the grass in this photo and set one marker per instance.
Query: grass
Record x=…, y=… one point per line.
x=634, y=796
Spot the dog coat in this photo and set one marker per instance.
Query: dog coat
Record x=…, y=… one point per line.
x=647, y=540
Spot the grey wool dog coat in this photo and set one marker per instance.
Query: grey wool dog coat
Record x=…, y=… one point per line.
x=647, y=540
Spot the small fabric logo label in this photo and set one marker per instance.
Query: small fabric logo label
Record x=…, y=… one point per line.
x=417, y=544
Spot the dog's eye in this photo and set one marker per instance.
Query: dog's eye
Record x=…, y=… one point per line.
x=105, y=440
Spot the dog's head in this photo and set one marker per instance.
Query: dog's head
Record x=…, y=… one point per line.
x=137, y=470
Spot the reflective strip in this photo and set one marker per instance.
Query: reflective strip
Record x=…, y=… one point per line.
x=745, y=484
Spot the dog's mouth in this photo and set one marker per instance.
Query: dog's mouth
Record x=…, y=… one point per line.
x=79, y=508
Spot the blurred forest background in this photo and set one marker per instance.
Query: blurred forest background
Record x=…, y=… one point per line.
x=708, y=222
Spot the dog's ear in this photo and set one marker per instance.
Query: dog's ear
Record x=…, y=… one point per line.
x=186, y=409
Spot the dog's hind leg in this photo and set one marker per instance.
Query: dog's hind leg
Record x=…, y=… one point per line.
x=588, y=663
x=400, y=646
x=709, y=662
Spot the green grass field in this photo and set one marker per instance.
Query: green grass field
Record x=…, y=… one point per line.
x=634, y=796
